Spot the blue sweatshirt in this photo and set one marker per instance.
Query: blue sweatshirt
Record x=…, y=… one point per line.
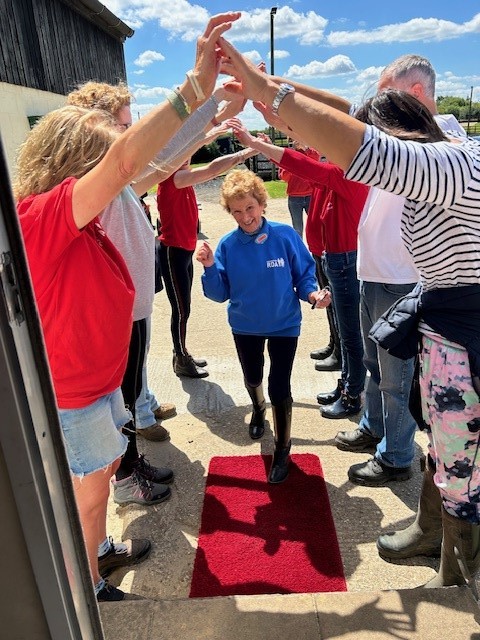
x=263, y=276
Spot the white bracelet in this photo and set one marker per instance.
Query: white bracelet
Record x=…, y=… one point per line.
x=195, y=86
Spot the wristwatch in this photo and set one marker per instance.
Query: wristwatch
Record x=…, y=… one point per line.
x=283, y=90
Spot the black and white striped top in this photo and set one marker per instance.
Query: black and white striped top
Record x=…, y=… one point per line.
x=441, y=216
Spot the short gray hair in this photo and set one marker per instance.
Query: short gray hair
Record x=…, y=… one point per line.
x=414, y=68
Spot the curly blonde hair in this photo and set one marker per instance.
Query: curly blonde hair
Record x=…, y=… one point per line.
x=67, y=142
x=100, y=95
x=240, y=183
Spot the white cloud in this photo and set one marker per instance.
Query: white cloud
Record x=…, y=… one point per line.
x=338, y=65
x=370, y=74
x=149, y=93
x=187, y=21
x=139, y=72
x=449, y=83
x=278, y=54
x=180, y=18
x=254, y=25
x=418, y=29
x=253, y=55
x=146, y=58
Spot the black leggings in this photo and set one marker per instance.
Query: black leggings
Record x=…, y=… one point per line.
x=281, y=350
x=177, y=274
x=131, y=387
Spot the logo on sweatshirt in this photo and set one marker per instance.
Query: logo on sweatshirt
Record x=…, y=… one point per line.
x=261, y=238
x=277, y=262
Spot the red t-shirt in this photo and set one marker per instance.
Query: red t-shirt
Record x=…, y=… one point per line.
x=332, y=222
x=178, y=211
x=84, y=295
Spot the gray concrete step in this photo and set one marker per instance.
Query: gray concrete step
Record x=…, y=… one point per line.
x=422, y=614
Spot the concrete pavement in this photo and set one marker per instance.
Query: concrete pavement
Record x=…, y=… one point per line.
x=212, y=420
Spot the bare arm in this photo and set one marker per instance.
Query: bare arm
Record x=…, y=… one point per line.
x=189, y=177
x=157, y=176
x=321, y=126
x=262, y=146
x=132, y=151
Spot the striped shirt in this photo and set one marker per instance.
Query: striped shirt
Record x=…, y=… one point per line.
x=441, y=216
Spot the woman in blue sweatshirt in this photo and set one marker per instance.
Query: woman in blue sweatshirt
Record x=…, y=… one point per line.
x=264, y=269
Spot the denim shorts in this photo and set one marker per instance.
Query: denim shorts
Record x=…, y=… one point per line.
x=92, y=435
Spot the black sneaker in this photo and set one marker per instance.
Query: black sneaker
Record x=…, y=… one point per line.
x=124, y=554
x=375, y=474
x=109, y=593
x=357, y=441
x=159, y=475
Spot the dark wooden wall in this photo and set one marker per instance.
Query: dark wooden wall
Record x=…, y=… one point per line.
x=46, y=45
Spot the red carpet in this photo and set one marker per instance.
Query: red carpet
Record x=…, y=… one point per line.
x=261, y=538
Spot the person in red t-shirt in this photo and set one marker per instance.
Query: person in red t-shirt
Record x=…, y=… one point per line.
x=178, y=211
x=299, y=190
x=71, y=167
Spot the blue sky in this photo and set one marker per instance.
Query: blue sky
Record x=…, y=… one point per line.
x=338, y=46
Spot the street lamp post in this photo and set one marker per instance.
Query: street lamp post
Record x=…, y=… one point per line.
x=273, y=11
x=469, y=111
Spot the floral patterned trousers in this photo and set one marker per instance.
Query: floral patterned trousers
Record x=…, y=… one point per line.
x=451, y=409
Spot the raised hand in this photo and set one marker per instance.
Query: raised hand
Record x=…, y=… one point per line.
x=207, y=62
x=233, y=106
x=241, y=132
x=205, y=255
x=250, y=81
x=271, y=118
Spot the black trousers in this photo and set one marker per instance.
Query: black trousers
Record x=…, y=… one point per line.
x=131, y=387
x=177, y=274
x=281, y=350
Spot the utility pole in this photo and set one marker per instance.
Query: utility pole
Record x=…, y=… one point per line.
x=273, y=11
x=469, y=111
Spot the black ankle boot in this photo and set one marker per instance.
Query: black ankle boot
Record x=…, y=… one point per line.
x=321, y=354
x=346, y=405
x=332, y=363
x=200, y=362
x=257, y=421
x=185, y=366
x=332, y=396
x=282, y=423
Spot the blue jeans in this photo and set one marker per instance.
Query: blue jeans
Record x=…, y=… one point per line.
x=386, y=413
x=341, y=271
x=297, y=205
x=93, y=434
x=146, y=402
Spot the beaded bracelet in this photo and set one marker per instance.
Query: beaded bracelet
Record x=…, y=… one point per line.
x=179, y=103
x=196, y=86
